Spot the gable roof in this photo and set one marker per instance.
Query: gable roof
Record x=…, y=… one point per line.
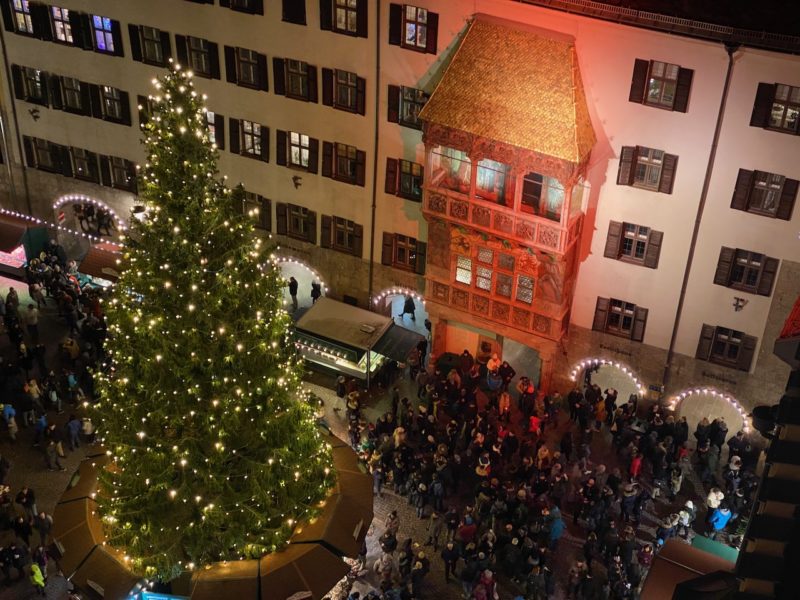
x=521, y=86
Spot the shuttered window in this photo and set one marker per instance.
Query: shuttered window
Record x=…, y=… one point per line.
x=413, y=27
x=22, y=16
x=777, y=107
x=253, y=7
x=661, y=84
x=647, y=168
x=201, y=55
x=403, y=252
x=727, y=347
x=620, y=318
x=341, y=234
x=258, y=209
x=294, y=11
x=246, y=68
x=61, y=25
x=296, y=221
x=745, y=270
x=348, y=17
x=633, y=243
x=766, y=194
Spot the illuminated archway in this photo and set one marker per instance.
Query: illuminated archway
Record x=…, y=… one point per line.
x=397, y=291
x=586, y=363
x=305, y=276
x=391, y=302
x=83, y=199
x=676, y=400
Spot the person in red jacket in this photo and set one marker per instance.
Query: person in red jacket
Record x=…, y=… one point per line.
x=636, y=465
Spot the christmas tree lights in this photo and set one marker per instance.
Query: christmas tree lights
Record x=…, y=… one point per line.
x=215, y=452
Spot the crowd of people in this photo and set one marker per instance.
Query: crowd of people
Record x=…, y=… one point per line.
x=94, y=219
x=43, y=383
x=498, y=471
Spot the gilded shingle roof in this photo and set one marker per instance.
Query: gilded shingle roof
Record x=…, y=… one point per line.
x=521, y=87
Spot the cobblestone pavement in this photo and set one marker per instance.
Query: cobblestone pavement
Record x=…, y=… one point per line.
x=28, y=467
x=570, y=546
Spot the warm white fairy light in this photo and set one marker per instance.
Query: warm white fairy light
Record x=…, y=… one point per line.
x=675, y=402
x=75, y=198
x=399, y=291
x=593, y=362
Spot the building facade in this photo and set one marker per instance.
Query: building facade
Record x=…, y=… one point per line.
x=317, y=108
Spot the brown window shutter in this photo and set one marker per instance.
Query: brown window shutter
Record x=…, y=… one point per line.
x=326, y=15
x=361, y=95
x=116, y=36
x=263, y=76
x=105, y=170
x=136, y=42
x=327, y=225
x=234, y=137
x=327, y=159
x=281, y=218
x=767, y=279
x=747, y=351
x=741, y=191
x=627, y=157
x=166, y=46
x=265, y=143
x=682, y=89
x=653, y=251
x=358, y=240
x=613, y=240
x=433, y=33
x=181, y=50
x=788, y=196
x=762, y=107
x=394, y=104
x=387, y=249
x=30, y=156
x=724, y=264
x=362, y=22
x=81, y=30
x=40, y=18
x=311, y=225
x=19, y=83
x=54, y=85
x=8, y=18
x=86, y=99
x=213, y=59
x=361, y=167
x=705, y=342
x=266, y=213
x=143, y=116
x=327, y=87
x=125, y=102
x=639, y=80
x=313, y=155
x=422, y=251
x=600, y=314
x=294, y=11
x=281, y=148
x=279, y=75
x=313, y=94
x=639, y=323
x=219, y=131
x=395, y=24
x=95, y=101
x=390, y=186
x=230, y=65
x=668, y=174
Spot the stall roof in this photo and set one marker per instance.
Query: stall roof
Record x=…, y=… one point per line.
x=11, y=231
x=101, y=261
x=397, y=342
x=343, y=323
x=678, y=562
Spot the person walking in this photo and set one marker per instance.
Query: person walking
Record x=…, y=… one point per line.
x=31, y=318
x=74, y=432
x=293, y=291
x=316, y=292
x=37, y=579
x=23, y=529
x=409, y=308
x=44, y=525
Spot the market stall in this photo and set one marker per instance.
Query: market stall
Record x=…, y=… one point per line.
x=348, y=340
x=19, y=242
x=99, y=266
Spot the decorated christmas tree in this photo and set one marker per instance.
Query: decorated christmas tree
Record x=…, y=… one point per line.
x=215, y=454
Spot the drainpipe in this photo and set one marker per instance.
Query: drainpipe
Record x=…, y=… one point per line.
x=731, y=48
x=16, y=128
x=374, y=206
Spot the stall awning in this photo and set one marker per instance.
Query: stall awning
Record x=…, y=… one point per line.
x=12, y=230
x=519, y=85
x=101, y=261
x=397, y=342
x=678, y=562
x=344, y=324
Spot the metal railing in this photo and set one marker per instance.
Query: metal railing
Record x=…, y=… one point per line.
x=710, y=31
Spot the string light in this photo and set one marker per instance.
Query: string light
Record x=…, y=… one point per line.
x=49, y=225
x=287, y=259
x=594, y=362
x=399, y=291
x=675, y=402
x=69, y=198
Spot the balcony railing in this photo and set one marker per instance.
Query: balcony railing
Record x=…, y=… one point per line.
x=498, y=310
x=502, y=221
